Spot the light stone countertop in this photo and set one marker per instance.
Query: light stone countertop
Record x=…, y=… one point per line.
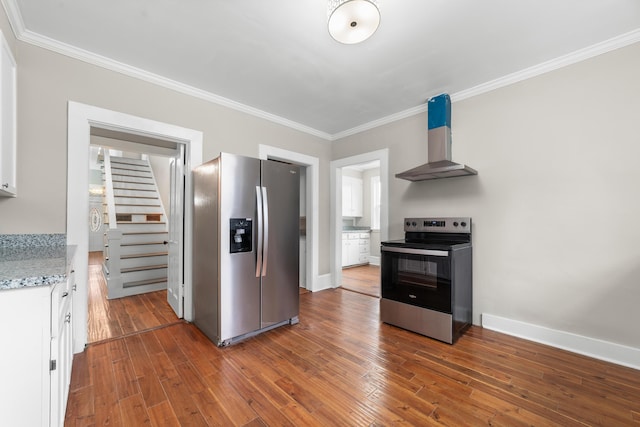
x=24, y=266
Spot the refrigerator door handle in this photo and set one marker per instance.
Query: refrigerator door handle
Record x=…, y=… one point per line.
x=259, y=227
x=266, y=231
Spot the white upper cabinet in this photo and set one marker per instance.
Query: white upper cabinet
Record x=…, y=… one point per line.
x=7, y=120
x=352, y=189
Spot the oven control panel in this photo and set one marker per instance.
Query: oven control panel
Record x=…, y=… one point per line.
x=438, y=225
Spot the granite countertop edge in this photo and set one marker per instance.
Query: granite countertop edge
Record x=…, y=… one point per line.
x=38, y=266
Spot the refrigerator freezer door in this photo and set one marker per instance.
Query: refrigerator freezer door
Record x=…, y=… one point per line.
x=280, y=287
x=239, y=286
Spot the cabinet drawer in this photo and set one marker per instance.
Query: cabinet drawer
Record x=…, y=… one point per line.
x=60, y=303
x=364, y=236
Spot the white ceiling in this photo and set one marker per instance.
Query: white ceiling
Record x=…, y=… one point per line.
x=276, y=58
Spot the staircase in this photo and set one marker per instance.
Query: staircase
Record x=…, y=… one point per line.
x=135, y=228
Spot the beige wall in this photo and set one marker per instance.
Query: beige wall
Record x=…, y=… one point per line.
x=555, y=206
x=47, y=81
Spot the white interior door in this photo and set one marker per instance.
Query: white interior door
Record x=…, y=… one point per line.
x=175, y=281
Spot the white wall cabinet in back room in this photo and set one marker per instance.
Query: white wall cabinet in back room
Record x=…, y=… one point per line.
x=7, y=121
x=352, y=196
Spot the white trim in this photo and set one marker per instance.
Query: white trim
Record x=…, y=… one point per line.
x=81, y=118
x=335, y=182
x=48, y=43
x=312, y=203
x=374, y=260
x=14, y=15
x=592, y=347
x=27, y=36
x=324, y=282
x=382, y=121
x=554, y=64
x=536, y=70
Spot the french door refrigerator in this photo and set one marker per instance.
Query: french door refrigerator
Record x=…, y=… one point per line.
x=246, y=246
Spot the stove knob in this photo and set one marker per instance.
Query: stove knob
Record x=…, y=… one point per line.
x=455, y=223
x=408, y=224
x=414, y=223
x=464, y=224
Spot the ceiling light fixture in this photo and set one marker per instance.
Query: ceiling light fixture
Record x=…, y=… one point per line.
x=353, y=21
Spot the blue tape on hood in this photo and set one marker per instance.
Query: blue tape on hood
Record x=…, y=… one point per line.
x=439, y=111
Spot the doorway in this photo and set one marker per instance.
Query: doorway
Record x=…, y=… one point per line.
x=146, y=255
x=82, y=121
x=309, y=251
x=360, y=225
x=337, y=225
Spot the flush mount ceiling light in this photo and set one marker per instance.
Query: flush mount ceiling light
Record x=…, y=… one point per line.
x=353, y=21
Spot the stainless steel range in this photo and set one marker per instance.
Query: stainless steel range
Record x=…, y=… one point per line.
x=426, y=278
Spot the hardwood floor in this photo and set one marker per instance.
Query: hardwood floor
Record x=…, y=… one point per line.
x=364, y=279
x=340, y=366
x=123, y=316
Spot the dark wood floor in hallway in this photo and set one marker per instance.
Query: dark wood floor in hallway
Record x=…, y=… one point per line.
x=364, y=279
x=341, y=367
x=123, y=316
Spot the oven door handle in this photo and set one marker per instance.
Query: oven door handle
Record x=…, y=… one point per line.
x=413, y=251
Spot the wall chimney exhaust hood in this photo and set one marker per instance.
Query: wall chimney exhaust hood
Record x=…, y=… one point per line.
x=438, y=146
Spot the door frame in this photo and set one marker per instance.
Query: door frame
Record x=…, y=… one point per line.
x=81, y=119
x=335, y=178
x=266, y=152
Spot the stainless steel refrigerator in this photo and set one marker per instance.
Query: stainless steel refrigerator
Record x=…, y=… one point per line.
x=246, y=246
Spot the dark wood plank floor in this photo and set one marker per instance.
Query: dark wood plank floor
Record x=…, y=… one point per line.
x=123, y=316
x=341, y=367
x=364, y=279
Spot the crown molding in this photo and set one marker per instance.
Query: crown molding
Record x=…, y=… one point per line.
x=22, y=34
x=545, y=67
x=14, y=15
x=27, y=36
x=554, y=64
x=382, y=121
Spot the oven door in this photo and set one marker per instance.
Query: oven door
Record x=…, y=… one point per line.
x=420, y=277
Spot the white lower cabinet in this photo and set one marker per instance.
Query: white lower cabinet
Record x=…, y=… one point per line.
x=355, y=248
x=61, y=352
x=37, y=354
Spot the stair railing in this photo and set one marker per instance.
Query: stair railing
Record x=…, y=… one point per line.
x=111, y=205
x=112, y=234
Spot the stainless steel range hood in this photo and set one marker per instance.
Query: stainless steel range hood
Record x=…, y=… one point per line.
x=438, y=145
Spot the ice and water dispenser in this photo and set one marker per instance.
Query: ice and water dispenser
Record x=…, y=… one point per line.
x=241, y=235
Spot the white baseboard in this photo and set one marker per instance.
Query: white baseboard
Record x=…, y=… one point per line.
x=374, y=260
x=322, y=282
x=592, y=347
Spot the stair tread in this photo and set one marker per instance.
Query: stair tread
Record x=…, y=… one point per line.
x=133, y=222
x=146, y=267
x=143, y=282
x=128, y=161
x=133, y=204
x=142, y=244
x=133, y=233
x=132, y=189
x=145, y=255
